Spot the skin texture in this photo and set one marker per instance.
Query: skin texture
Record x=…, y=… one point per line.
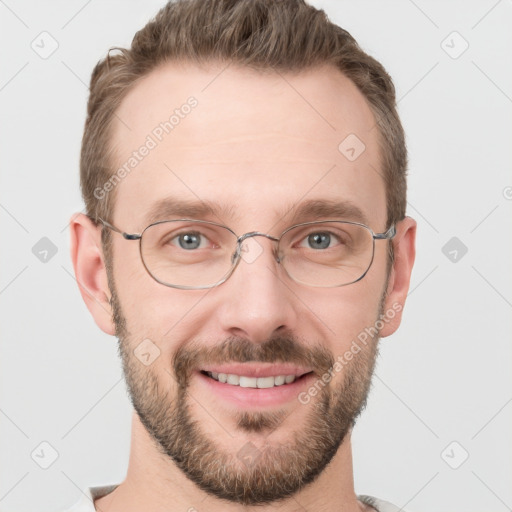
x=258, y=144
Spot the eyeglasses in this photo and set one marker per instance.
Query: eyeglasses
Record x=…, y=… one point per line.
x=195, y=254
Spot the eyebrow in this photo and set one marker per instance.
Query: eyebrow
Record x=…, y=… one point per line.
x=313, y=209
x=169, y=207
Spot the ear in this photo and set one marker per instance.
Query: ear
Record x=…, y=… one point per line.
x=90, y=271
x=404, y=246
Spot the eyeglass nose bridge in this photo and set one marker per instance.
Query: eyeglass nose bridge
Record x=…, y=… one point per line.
x=238, y=252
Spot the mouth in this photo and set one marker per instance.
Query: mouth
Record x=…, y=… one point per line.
x=255, y=387
x=246, y=381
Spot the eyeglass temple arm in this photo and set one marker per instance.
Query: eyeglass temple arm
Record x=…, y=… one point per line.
x=127, y=236
x=388, y=235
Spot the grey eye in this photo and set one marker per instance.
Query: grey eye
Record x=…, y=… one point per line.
x=189, y=240
x=319, y=240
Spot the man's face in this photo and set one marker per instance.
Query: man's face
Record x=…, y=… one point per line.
x=258, y=145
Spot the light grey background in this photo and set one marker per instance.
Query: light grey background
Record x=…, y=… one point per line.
x=444, y=377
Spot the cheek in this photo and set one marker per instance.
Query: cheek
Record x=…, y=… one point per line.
x=148, y=306
x=355, y=325
x=380, y=261
x=342, y=314
x=160, y=315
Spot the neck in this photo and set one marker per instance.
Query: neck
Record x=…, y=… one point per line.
x=155, y=484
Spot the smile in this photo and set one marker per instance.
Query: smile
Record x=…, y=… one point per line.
x=245, y=381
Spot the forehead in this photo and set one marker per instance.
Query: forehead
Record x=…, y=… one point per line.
x=254, y=143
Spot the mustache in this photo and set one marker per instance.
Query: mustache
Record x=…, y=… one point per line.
x=281, y=349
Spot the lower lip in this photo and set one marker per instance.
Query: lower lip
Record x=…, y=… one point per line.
x=254, y=397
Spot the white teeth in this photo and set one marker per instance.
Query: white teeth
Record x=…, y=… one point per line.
x=266, y=382
x=252, y=382
x=248, y=382
x=233, y=379
x=279, y=380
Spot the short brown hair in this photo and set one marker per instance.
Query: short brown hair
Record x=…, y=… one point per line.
x=286, y=35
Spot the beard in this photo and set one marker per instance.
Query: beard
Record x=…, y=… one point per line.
x=250, y=475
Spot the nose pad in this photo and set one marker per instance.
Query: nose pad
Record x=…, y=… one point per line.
x=277, y=256
x=236, y=255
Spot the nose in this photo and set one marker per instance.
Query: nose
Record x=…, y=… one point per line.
x=257, y=301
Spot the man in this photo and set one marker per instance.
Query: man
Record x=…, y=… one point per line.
x=243, y=169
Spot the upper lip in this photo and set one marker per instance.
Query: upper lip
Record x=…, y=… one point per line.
x=258, y=369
